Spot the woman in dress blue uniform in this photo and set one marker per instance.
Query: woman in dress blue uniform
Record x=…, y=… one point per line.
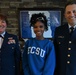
x=65, y=43
x=39, y=54
x=9, y=50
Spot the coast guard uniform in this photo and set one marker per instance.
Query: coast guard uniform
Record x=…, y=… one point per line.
x=65, y=46
x=9, y=55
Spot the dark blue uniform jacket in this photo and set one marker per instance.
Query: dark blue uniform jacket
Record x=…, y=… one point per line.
x=9, y=56
x=65, y=46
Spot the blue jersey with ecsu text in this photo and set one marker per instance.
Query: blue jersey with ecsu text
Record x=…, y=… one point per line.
x=38, y=57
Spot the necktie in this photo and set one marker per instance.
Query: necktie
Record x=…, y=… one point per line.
x=71, y=30
x=1, y=36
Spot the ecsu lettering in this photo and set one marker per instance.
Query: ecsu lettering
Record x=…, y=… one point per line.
x=36, y=50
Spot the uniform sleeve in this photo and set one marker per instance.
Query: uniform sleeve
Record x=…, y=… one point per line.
x=56, y=50
x=25, y=61
x=17, y=56
x=50, y=61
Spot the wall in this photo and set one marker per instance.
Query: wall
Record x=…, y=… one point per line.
x=10, y=8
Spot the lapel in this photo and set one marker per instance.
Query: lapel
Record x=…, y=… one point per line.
x=74, y=34
x=5, y=41
x=66, y=31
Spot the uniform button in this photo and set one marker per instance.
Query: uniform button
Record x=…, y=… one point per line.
x=59, y=43
x=68, y=62
x=13, y=66
x=12, y=47
x=70, y=42
x=68, y=55
x=69, y=48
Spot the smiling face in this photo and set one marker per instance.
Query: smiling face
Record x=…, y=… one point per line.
x=3, y=26
x=39, y=29
x=70, y=14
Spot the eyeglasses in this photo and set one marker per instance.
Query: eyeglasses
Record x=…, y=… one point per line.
x=40, y=18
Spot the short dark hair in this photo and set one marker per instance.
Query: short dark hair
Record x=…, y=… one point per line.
x=3, y=17
x=38, y=17
x=69, y=3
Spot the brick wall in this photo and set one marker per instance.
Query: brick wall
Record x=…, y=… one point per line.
x=10, y=8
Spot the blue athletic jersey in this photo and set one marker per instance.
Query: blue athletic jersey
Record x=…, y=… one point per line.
x=38, y=57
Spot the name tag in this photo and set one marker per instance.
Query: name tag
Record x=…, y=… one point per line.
x=60, y=36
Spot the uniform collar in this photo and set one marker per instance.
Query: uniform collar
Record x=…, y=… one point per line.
x=71, y=26
x=3, y=34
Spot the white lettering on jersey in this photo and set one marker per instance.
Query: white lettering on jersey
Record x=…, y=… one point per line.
x=42, y=53
x=37, y=51
x=30, y=50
